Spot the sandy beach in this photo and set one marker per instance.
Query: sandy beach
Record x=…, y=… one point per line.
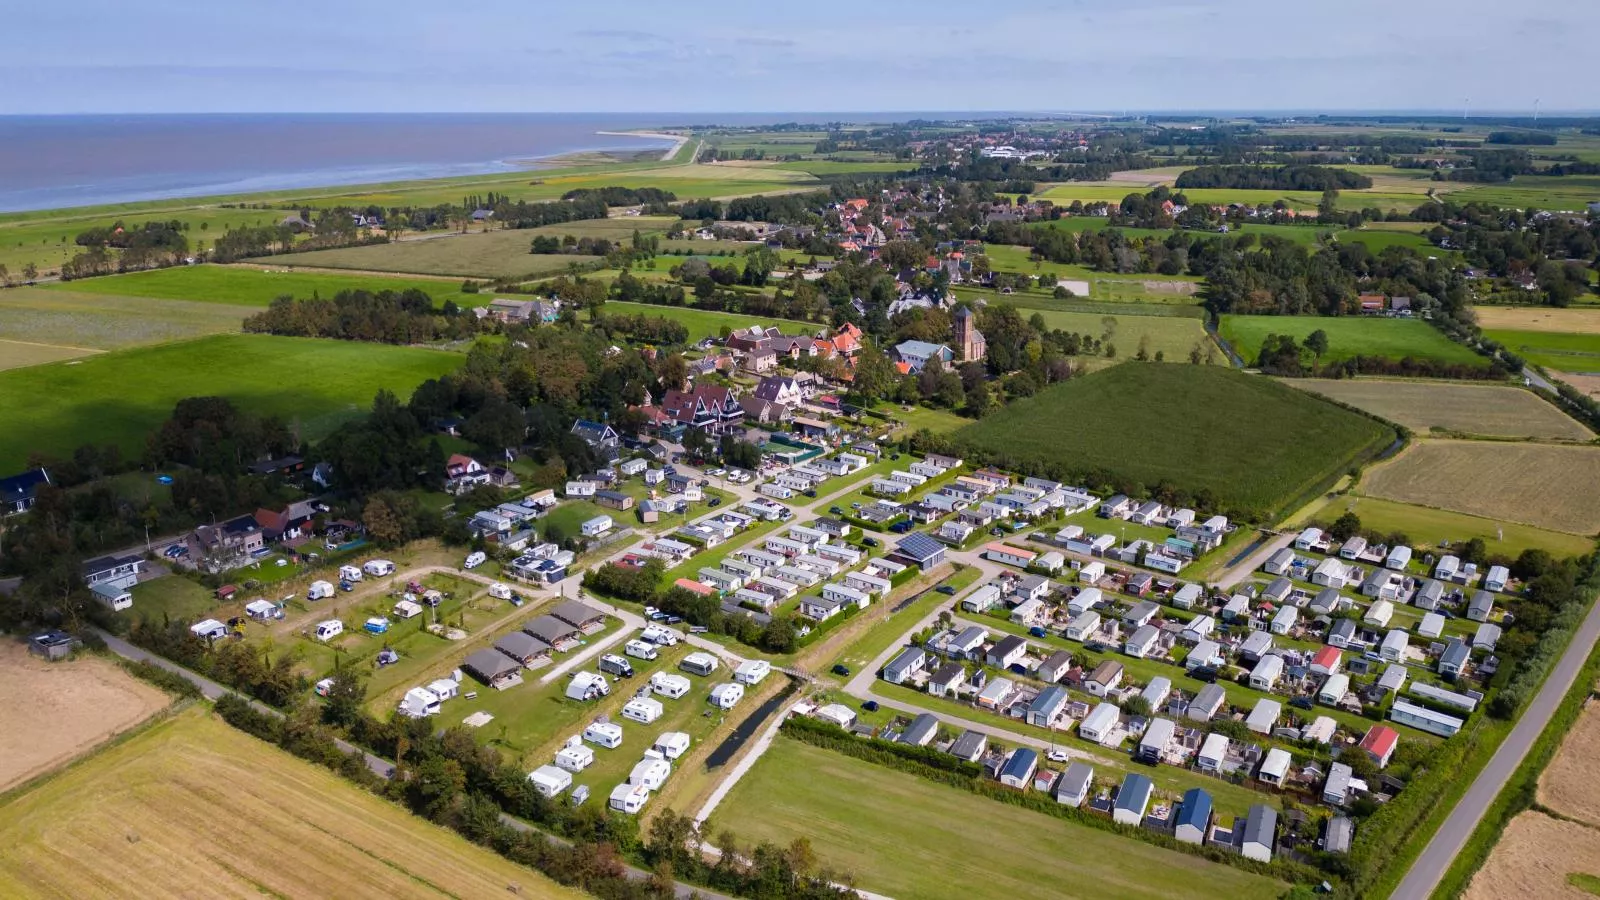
x=677, y=140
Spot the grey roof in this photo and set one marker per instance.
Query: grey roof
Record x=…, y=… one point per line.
x=1344, y=627
x=1261, y=825
x=947, y=673
x=1340, y=832
x=919, y=546
x=549, y=629
x=575, y=613
x=1481, y=601
x=521, y=645
x=1277, y=589
x=907, y=660
x=1455, y=654
x=1431, y=590
x=968, y=743
x=490, y=664
x=1006, y=645
x=1076, y=778
x=1057, y=660
x=1049, y=700
x=921, y=729
x=1195, y=809
x=1210, y=697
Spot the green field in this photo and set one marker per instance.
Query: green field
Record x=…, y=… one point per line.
x=1172, y=336
x=706, y=322
x=1349, y=336
x=1426, y=526
x=71, y=318
x=490, y=254
x=1569, y=192
x=118, y=398
x=1552, y=349
x=907, y=837
x=251, y=286
x=1113, y=192
x=46, y=238
x=1249, y=441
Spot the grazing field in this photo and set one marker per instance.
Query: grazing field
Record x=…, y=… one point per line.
x=907, y=837
x=65, y=709
x=1427, y=526
x=1549, y=192
x=1494, y=410
x=706, y=322
x=258, y=286
x=1538, y=318
x=1539, y=856
x=75, y=321
x=916, y=418
x=1172, y=336
x=46, y=238
x=1246, y=440
x=1544, y=485
x=193, y=807
x=1556, y=350
x=488, y=254
x=118, y=398
x=1349, y=336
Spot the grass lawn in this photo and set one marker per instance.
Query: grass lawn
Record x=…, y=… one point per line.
x=907, y=837
x=491, y=254
x=1428, y=526
x=1350, y=336
x=252, y=286
x=1567, y=352
x=1494, y=410
x=1172, y=336
x=70, y=322
x=172, y=596
x=704, y=323
x=866, y=647
x=1203, y=428
x=918, y=417
x=46, y=238
x=194, y=807
x=118, y=398
x=1113, y=192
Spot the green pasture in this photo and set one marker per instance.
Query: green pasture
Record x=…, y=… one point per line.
x=252, y=286
x=1551, y=349
x=1350, y=336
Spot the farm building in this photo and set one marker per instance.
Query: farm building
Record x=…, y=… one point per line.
x=1194, y=817
x=1133, y=798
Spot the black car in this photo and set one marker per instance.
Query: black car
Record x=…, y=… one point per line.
x=1207, y=674
x=714, y=501
x=1095, y=647
x=946, y=590
x=809, y=493
x=870, y=542
x=834, y=510
x=841, y=669
x=1302, y=703
x=870, y=706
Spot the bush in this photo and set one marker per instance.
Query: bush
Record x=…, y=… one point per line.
x=167, y=680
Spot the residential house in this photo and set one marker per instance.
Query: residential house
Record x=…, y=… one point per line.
x=19, y=492
x=1105, y=678
x=1006, y=651
x=907, y=663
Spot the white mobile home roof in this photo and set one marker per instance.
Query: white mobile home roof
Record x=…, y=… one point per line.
x=1440, y=695
x=1432, y=625
x=1265, y=715
x=1334, y=688
x=1103, y=717
x=1425, y=719
x=1276, y=765
x=1215, y=747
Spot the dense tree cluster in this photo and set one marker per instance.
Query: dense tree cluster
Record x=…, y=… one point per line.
x=1279, y=178
x=388, y=317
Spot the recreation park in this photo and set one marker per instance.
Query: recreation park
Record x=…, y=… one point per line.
x=1123, y=508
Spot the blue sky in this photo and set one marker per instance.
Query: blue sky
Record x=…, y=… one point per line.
x=819, y=55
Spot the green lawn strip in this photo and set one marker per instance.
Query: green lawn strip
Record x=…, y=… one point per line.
x=1521, y=791
x=174, y=597
x=1556, y=350
x=703, y=323
x=1427, y=526
x=882, y=635
x=1350, y=336
x=249, y=286
x=908, y=837
x=119, y=397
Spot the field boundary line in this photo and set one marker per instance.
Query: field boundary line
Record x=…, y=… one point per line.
x=52, y=346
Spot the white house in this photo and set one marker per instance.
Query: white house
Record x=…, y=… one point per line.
x=1100, y=724
x=650, y=773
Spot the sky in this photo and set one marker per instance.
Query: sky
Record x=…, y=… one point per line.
x=116, y=56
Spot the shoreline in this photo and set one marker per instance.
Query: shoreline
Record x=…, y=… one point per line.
x=678, y=140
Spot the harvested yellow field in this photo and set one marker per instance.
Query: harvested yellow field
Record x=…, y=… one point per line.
x=1422, y=406
x=1538, y=318
x=1536, y=857
x=67, y=708
x=1568, y=785
x=1548, y=485
x=194, y=808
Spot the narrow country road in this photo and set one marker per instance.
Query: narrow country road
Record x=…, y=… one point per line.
x=1247, y=567
x=1436, y=858
x=211, y=690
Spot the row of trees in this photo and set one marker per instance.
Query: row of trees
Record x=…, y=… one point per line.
x=389, y=317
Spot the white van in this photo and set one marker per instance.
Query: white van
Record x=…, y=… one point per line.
x=640, y=649
x=604, y=734
x=327, y=631
x=475, y=559
x=659, y=634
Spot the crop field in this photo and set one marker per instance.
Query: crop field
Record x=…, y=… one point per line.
x=1494, y=410
x=1349, y=336
x=77, y=322
x=1507, y=319
x=193, y=807
x=907, y=837
x=704, y=322
x=490, y=254
x=254, y=286
x=117, y=398
x=1379, y=240
x=18, y=354
x=1555, y=350
x=1549, y=192
x=71, y=707
x=1545, y=485
x=1242, y=438
x=1425, y=525
x=1539, y=855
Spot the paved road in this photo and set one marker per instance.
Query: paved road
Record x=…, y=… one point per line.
x=383, y=767
x=742, y=766
x=1436, y=858
x=1247, y=567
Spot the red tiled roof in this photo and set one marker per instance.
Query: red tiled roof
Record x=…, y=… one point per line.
x=1380, y=740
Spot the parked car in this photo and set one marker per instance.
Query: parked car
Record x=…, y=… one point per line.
x=714, y=501
x=1038, y=632
x=901, y=527
x=870, y=542
x=1302, y=703
x=841, y=669
x=1057, y=756
x=834, y=510
x=946, y=590
x=809, y=492
x=870, y=706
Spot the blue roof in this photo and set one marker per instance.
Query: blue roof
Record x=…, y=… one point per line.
x=919, y=546
x=1195, y=809
x=1135, y=792
x=1021, y=764
x=1055, y=694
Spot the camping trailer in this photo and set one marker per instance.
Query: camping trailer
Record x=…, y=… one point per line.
x=327, y=631
x=378, y=568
